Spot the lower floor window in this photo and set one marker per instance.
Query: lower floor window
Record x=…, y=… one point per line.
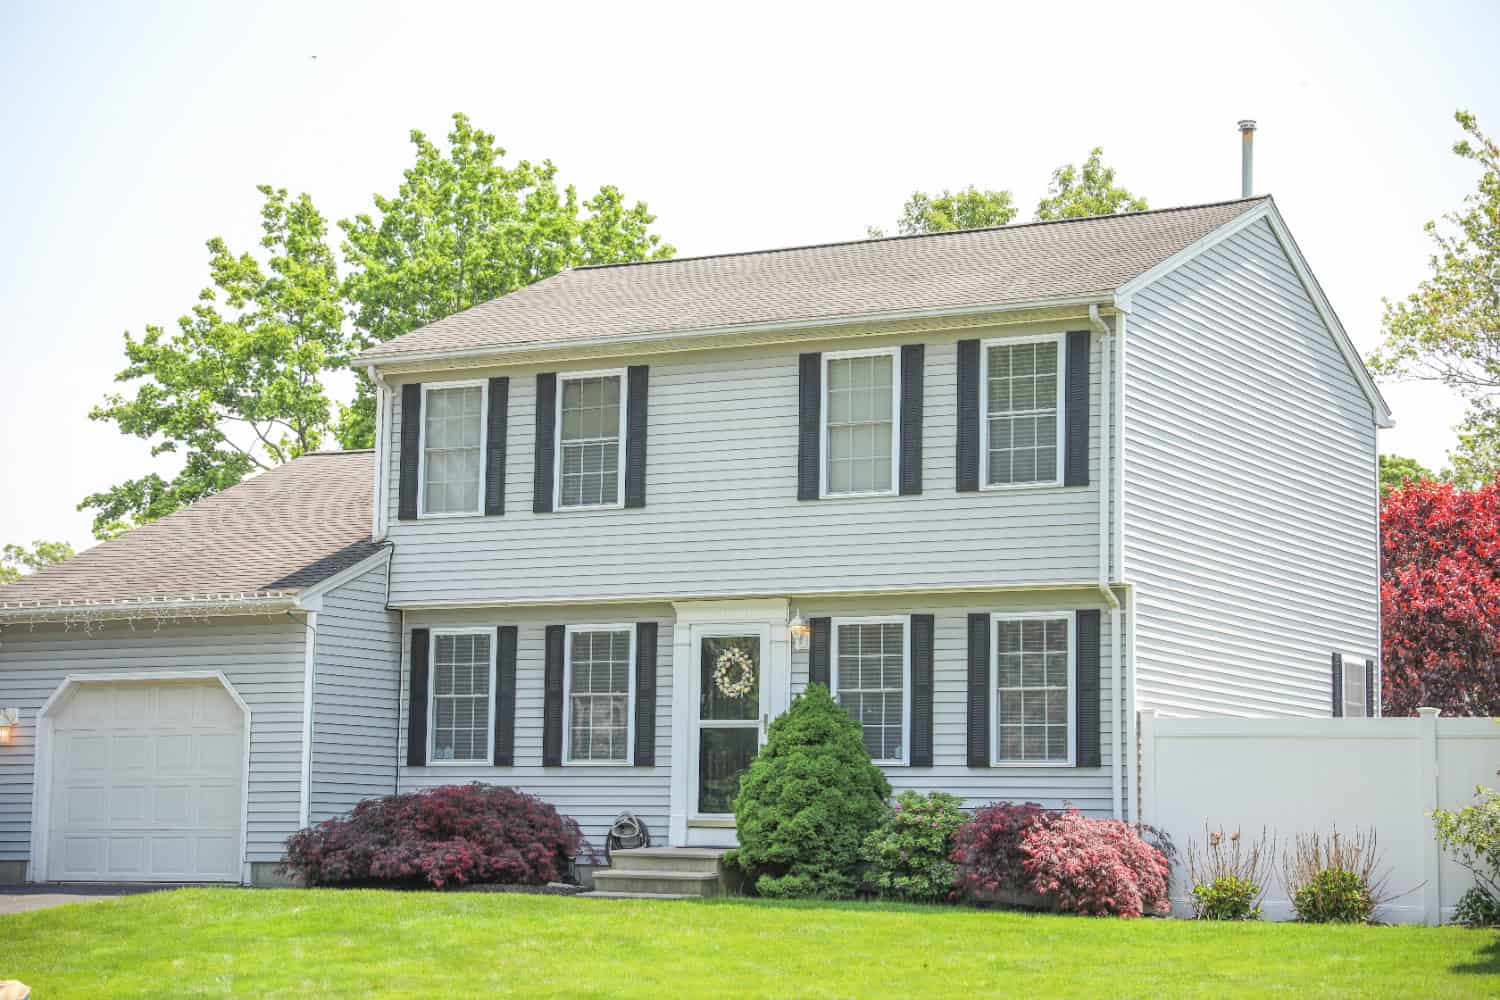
x=1033, y=677
x=461, y=685
x=598, y=686
x=870, y=682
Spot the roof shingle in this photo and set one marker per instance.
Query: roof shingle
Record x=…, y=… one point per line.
x=275, y=534
x=1032, y=262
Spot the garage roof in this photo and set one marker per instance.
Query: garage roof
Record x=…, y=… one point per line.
x=270, y=536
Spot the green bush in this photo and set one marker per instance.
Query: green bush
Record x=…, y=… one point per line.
x=910, y=854
x=1228, y=897
x=1477, y=908
x=808, y=802
x=1472, y=836
x=1334, y=896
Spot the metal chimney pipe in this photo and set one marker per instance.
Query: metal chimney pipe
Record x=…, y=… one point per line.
x=1247, y=157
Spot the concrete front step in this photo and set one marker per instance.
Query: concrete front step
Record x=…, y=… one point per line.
x=700, y=860
x=598, y=894
x=663, y=883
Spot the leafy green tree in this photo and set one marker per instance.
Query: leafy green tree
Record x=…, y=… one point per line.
x=970, y=208
x=1089, y=189
x=239, y=386
x=17, y=560
x=463, y=228
x=1448, y=330
x=1397, y=470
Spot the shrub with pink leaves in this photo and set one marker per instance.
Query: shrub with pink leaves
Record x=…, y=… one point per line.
x=987, y=848
x=1098, y=867
x=452, y=835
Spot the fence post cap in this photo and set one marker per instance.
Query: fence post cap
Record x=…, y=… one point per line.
x=1429, y=713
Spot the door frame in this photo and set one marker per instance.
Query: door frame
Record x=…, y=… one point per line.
x=699, y=619
x=41, y=784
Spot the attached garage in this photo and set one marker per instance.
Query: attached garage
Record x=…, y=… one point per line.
x=142, y=781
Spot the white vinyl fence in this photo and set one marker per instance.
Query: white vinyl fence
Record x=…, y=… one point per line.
x=1293, y=776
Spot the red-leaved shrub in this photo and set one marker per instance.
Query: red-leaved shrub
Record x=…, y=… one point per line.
x=987, y=848
x=1094, y=866
x=453, y=834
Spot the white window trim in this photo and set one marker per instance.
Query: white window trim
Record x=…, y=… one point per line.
x=484, y=430
x=833, y=674
x=567, y=714
x=557, y=441
x=488, y=760
x=824, y=452
x=984, y=408
x=994, y=692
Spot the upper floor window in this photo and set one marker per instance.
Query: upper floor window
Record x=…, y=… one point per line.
x=1033, y=689
x=870, y=680
x=590, y=446
x=453, y=429
x=598, y=676
x=860, y=407
x=462, y=700
x=1354, y=687
x=1022, y=424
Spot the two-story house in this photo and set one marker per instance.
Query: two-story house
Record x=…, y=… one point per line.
x=998, y=489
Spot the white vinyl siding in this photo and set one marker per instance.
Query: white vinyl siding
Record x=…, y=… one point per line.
x=463, y=695
x=870, y=679
x=599, y=681
x=1032, y=682
x=453, y=431
x=262, y=659
x=860, y=407
x=723, y=519
x=1022, y=424
x=589, y=439
x=1250, y=511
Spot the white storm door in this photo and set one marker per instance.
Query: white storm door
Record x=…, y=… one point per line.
x=728, y=728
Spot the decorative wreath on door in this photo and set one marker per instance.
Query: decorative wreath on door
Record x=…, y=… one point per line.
x=734, y=674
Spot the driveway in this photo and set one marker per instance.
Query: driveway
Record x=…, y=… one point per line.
x=20, y=898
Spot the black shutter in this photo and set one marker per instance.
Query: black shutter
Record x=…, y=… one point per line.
x=810, y=402
x=1076, y=416
x=546, y=420
x=505, y=696
x=552, y=698
x=638, y=380
x=912, y=356
x=645, y=694
x=1086, y=739
x=416, y=704
x=979, y=690
x=817, y=659
x=1338, y=685
x=494, y=447
x=411, y=443
x=1370, y=689
x=920, y=740
x=966, y=447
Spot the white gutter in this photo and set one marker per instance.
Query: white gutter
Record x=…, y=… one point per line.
x=382, y=409
x=1106, y=534
x=203, y=606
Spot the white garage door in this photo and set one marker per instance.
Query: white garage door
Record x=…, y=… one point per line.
x=147, y=783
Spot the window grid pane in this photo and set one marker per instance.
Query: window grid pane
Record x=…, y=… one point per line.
x=872, y=661
x=452, y=426
x=860, y=415
x=461, y=697
x=590, y=442
x=599, y=696
x=1022, y=410
x=1354, y=690
x=1031, y=698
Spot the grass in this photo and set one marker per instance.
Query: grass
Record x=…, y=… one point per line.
x=266, y=943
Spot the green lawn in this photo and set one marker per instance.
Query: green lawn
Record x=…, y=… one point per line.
x=343, y=943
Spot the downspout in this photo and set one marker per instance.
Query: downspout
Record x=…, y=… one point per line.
x=382, y=405
x=1132, y=760
x=309, y=681
x=1106, y=535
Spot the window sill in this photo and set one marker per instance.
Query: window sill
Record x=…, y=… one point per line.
x=476, y=762
x=450, y=516
x=597, y=763
x=1032, y=763
x=560, y=509
x=1055, y=484
x=858, y=496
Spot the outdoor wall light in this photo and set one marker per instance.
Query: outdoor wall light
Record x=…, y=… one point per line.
x=800, y=631
x=8, y=719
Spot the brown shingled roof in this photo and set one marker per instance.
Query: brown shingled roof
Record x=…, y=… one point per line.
x=1032, y=262
x=275, y=534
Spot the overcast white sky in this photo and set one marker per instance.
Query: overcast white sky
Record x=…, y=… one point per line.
x=132, y=133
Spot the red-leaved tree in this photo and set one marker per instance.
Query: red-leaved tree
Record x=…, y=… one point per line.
x=1440, y=598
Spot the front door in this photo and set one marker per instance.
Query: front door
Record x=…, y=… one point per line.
x=731, y=707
